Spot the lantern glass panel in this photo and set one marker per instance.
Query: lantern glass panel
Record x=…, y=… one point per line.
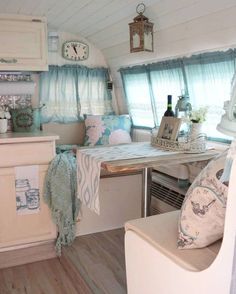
x=136, y=40
x=148, y=39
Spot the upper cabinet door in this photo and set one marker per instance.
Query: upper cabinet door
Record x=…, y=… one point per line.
x=23, y=44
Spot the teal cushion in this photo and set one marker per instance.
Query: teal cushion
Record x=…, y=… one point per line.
x=107, y=129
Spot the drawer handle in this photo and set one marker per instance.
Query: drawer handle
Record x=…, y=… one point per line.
x=13, y=60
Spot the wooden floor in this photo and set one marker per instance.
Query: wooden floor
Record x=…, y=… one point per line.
x=93, y=264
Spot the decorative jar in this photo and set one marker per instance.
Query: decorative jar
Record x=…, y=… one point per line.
x=3, y=125
x=195, y=130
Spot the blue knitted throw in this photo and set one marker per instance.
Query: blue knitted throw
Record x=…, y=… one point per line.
x=60, y=193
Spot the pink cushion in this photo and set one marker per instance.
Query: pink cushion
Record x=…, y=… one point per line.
x=107, y=129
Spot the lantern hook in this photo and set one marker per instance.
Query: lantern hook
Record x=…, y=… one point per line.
x=140, y=9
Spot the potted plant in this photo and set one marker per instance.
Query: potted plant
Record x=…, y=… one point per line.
x=197, y=117
x=4, y=116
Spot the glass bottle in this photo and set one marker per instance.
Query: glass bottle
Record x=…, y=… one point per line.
x=169, y=111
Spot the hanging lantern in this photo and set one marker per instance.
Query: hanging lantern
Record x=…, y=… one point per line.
x=141, y=32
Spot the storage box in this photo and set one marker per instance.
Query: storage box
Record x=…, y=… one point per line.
x=26, y=119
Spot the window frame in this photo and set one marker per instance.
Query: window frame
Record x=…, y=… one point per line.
x=181, y=64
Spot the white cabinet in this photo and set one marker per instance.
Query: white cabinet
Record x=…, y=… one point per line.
x=22, y=229
x=23, y=43
x=18, y=229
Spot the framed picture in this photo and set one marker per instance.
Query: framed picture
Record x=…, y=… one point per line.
x=169, y=128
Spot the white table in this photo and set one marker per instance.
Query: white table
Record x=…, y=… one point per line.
x=145, y=163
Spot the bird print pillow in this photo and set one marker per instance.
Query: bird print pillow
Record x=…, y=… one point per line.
x=202, y=214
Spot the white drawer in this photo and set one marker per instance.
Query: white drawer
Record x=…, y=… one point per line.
x=26, y=153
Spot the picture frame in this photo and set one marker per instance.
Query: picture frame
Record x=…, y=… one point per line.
x=169, y=128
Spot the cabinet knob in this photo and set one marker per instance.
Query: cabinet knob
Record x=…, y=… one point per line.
x=13, y=60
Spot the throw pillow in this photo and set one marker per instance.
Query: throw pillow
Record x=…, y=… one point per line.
x=202, y=214
x=107, y=129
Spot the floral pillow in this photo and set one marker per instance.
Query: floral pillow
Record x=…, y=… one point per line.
x=202, y=215
x=107, y=129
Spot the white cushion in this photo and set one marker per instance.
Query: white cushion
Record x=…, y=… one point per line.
x=203, y=211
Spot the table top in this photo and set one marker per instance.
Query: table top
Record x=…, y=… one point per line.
x=123, y=158
x=163, y=158
x=167, y=159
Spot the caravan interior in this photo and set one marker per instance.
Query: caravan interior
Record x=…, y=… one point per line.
x=117, y=146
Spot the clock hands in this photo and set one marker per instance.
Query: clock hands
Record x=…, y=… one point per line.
x=74, y=47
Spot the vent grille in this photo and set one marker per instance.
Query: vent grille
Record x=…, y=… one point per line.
x=167, y=195
x=158, y=206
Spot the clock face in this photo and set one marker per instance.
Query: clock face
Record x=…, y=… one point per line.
x=75, y=50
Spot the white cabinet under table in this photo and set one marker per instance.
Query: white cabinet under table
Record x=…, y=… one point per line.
x=23, y=149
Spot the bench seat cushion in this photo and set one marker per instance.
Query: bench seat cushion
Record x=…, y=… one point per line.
x=162, y=232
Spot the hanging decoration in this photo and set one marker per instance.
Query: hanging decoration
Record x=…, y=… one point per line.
x=141, y=32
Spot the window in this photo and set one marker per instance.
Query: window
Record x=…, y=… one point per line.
x=209, y=85
x=205, y=77
x=70, y=91
x=167, y=79
x=139, y=101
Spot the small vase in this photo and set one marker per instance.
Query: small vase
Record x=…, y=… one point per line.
x=3, y=125
x=195, y=130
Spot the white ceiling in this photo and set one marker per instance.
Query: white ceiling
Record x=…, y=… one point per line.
x=181, y=27
x=88, y=18
x=105, y=22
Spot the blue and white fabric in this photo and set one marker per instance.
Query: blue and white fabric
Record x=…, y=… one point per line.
x=89, y=163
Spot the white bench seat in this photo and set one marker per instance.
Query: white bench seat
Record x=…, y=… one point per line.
x=161, y=231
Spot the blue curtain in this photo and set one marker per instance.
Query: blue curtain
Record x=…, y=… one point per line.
x=209, y=79
x=166, y=78
x=205, y=77
x=70, y=91
x=136, y=86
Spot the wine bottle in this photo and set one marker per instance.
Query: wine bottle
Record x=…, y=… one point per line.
x=169, y=111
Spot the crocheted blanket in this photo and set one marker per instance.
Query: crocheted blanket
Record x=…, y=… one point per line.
x=60, y=193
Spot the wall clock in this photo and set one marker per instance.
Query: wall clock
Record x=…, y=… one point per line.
x=75, y=50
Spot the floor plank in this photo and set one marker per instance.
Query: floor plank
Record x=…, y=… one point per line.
x=42, y=277
x=94, y=264
x=99, y=260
